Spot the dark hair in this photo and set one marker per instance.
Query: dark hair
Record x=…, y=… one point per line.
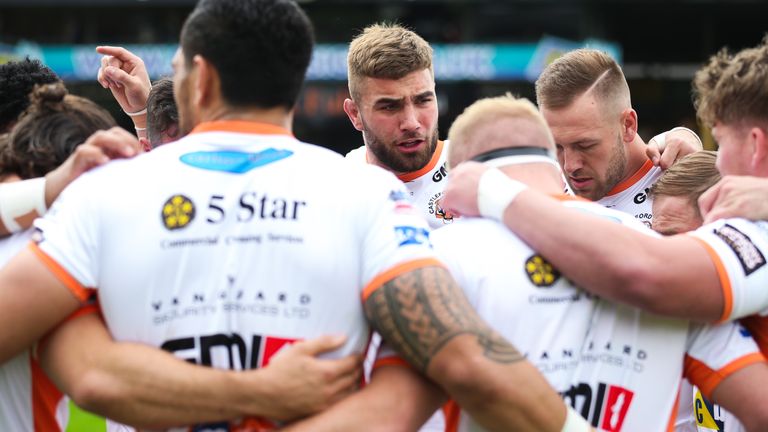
x=17, y=79
x=50, y=129
x=260, y=48
x=162, y=114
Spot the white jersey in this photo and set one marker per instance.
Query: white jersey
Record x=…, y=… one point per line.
x=425, y=185
x=619, y=367
x=233, y=242
x=631, y=195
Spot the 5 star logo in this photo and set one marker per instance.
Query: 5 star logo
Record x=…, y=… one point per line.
x=178, y=211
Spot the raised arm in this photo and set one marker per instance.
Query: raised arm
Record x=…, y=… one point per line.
x=149, y=388
x=736, y=196
x=671, y=276
x=668, y=147
x=425, y=316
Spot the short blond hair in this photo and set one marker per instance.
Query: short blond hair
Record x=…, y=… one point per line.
x=387, y=51
x=474, y=131
x=733, y=88
x=580, y=71
x=689, y=177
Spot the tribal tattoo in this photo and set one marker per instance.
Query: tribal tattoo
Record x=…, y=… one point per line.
x=419, y=312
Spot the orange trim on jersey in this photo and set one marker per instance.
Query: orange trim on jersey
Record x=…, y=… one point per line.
x=707, y=379
x=241, y=126
x=413, y=175
x=725, y=282
x=45, y=398
x=390, y=361
x=566, y=197
x=673, y=414
x=452, y=413
x=758, y=326
x=396, y=271
x=82, y=293
x=626, y=184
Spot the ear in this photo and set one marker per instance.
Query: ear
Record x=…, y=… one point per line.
x=350, y=107
x=628, y=125
x=206, y=82
x=145, y=145
x=757, y=137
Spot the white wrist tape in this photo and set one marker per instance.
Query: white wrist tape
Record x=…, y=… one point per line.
x=137, y=113
x=575, y=423
x=661, y=139
x=20, y=198
x=495, y=192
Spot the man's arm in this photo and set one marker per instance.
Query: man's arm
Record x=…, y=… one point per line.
x=397, y=399
x=745, y=394
x=736, y=196
x=149, y=388
x=426, y=317
x=670, y=276
x=668, y=147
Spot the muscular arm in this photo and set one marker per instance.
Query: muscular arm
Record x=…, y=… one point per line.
x=670, y=276
x=150, y=388
x=745, y=394
x=425, y=316
x=397, y=399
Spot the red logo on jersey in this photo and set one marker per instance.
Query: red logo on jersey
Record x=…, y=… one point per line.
x=272, y=345
x=615, y=408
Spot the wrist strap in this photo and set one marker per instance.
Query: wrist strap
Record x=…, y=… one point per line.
x=661, y=138
x=137, y=113
x=495, y=192
x=574, y=422
x=19, y=199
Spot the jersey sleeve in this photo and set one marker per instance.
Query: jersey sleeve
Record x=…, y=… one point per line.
x=737, y=248
x=65, y=239
x=395, y=239
x=717, y=351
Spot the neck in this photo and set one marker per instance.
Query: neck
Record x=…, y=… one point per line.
x=636, y=157
x=540, y=176
x=277, y=116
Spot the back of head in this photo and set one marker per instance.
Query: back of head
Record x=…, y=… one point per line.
x=689, y=177
x=260, y=48
x=732, y=89
x=162, y=113
x=387, y=51
x=496, y=123
x=17, y=79
x=579, y=72
x=50, y=129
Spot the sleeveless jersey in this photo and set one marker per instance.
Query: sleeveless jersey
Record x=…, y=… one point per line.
x=232, y=243
x=619, y=367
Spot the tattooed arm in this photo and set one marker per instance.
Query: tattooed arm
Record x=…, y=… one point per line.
x=426, y=317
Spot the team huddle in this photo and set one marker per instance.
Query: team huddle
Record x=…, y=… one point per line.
x=543, y=268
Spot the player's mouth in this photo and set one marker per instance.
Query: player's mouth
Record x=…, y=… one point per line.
x=410, y=146
x=580, y=182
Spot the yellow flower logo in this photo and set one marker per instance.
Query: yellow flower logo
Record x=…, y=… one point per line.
x=178, y=212
x=540, y=272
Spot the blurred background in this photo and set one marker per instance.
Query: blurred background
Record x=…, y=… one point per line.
x=483, y=48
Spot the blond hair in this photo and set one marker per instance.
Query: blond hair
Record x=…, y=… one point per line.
x=733, y=88
x=475, y=130
x=387, y=51
x=689, y=177
x=578, y=72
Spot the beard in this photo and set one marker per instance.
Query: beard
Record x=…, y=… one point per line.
x=616, y=167
x=388, y=154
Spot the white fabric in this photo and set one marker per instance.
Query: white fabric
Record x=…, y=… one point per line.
x=224, y=268
x=495, y=193
x=21, y=198
x=632, y=198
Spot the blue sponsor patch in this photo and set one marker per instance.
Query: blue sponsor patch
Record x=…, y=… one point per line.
x=398, y=195
x=408, y=235
x=233, y=161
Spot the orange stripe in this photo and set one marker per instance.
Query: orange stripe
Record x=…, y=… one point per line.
x=626, y=184
x=725, y=283
x=413, y=175
x=241, y=126
x=707, y=379
x=452, y=413
x=758, y=326
x=45, y=397
x=673, y=414
x=390, y=361
x=82, y=293
x=396, y=271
